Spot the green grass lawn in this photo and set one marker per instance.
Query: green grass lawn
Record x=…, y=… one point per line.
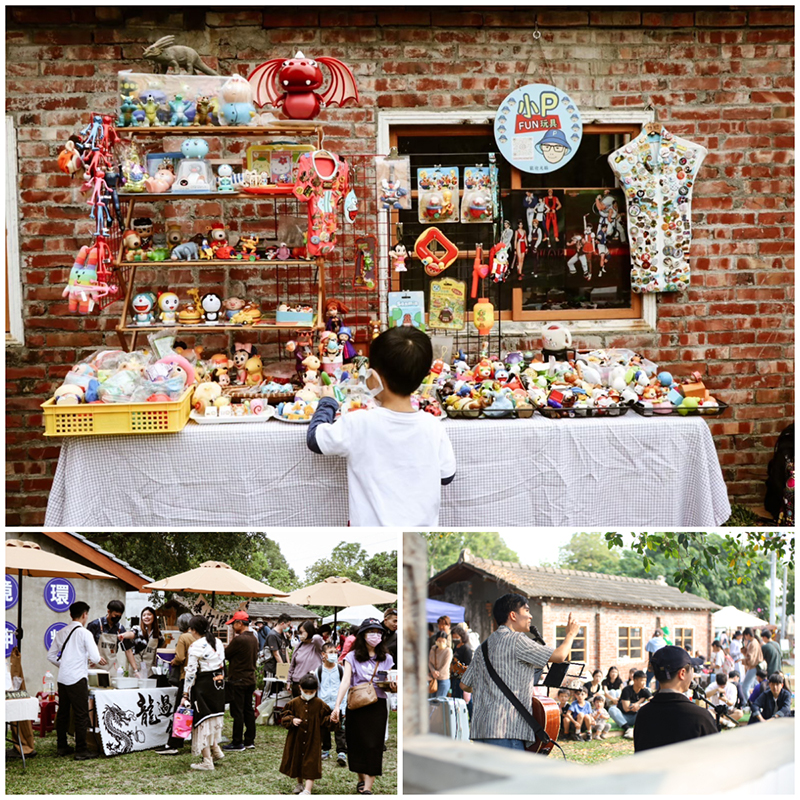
x=251, y=772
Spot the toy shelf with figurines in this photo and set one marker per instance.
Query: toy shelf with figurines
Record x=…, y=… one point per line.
x=297, y=280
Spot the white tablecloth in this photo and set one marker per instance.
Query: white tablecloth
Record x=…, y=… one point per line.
x=626, y=471
x=22, y=708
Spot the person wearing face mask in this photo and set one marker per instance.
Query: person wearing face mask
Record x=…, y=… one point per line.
x=307, y=656
x=329, y=677
x=367, y=662
x=109, y=636
x=305, y=718
x=397, y=458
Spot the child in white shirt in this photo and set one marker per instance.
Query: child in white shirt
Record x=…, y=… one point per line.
x=329, y=677
x=600, y=724
x=397, y=458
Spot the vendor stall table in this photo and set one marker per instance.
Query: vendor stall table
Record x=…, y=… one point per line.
x=131, y=719
x=629, y=470
x=18, y=710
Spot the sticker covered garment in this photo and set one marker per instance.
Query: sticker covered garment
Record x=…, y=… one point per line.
x=322, y=182
x=657, y=172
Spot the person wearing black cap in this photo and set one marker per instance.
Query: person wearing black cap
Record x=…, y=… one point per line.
x=671, y=717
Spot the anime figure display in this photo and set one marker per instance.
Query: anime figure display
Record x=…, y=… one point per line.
x=333, y=311
x=322, y=182
x=520, y=248
x=551, y=216
x=292, y=84
x=399, y=255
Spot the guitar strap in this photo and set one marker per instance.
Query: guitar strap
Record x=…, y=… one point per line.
x=538, y=730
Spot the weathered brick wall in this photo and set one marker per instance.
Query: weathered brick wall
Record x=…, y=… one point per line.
x=602, y=623
x=723, y=78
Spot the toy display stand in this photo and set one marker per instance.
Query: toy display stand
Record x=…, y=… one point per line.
x=126, y=331
x=679, y=411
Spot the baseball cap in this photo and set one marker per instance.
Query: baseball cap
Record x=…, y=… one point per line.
x=240, y=616
x=668, y=661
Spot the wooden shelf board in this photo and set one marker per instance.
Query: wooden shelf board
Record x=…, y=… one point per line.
x=219, y=262
x=245, y=130
x=212, y=327
x=178, y=195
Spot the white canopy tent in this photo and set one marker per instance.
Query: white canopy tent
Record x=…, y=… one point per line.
x=355, y=615
x=731, y=618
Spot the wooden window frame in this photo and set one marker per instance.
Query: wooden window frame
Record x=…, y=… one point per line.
x=682, y=642
x=629, y=654
x=586, y=321
x=560, y=639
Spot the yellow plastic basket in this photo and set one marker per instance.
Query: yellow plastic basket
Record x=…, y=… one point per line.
x=98, y=419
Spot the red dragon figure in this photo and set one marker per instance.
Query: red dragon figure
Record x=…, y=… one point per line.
x=293, y=84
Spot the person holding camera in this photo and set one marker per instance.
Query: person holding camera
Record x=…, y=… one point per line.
x=671, y=716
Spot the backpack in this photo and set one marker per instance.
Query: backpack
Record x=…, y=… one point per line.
x=319, y=674
x=780, y=471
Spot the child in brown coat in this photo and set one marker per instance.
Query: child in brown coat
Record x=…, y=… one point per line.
x=305, y=717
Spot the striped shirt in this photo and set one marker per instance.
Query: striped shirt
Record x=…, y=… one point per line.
x=514, y=657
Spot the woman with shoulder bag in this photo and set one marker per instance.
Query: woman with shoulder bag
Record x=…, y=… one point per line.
x=365, y=666
x=177, y=674
x=439, y=660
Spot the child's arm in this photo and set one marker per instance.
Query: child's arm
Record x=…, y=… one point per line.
x=287, y=716
x=324, y=415
x=447, y=460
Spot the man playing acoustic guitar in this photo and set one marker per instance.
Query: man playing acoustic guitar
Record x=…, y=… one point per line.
x=516, y=660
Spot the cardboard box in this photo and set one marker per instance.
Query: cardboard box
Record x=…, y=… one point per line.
x=282, y=671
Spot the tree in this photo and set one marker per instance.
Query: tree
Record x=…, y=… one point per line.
x=694, y=554
x=444, y=548
x=160, y=555
x=589, y=552
x=380, y=572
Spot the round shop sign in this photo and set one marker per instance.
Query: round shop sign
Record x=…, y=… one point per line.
x=51, y=632
x=12, y=592
x=538, y=128
x=11, y=638
x=59, y=594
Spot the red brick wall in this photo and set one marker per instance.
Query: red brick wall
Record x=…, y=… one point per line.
x=723, y=78
x=602, y=624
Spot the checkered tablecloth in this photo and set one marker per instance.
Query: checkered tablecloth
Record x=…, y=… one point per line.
x=628, y=471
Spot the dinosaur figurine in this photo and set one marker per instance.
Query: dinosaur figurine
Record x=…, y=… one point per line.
x=165, y=54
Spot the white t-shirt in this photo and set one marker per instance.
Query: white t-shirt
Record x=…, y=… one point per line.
x=395, y=465
x=75, y=657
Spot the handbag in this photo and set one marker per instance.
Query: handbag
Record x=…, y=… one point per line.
x=433, y=685
x=174, y=675
x=182, y=723
x=363, y=694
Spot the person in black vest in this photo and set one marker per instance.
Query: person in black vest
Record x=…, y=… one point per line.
x=241, y=655
x=671, y=716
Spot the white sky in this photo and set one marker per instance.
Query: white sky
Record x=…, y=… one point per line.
x=302, y=548
x=535, y=548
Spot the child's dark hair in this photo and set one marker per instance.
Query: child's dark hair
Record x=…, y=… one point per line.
x=402, y=357
x=309, y=682
x=328, y=646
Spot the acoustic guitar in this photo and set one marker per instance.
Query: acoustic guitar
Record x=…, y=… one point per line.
x=547, y=713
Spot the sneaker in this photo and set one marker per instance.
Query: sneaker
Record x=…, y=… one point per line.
x=250, y=746
x=573, y=737
x=341, y=759
x=167, y=751
x=233, y=748
x=206, y=766
x=65, y=751
x=628, y=734
x=84, y=756
x=299, y=787
x=326, y=754
x=587, y=737
x=216, y=753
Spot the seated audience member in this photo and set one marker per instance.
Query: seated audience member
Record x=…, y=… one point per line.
x=595, y=685
x=762, y=685
x=630, y=701
x=735, y=678
x=723, y=691
x=612, y=687
x=600, y=724
x=774, y=703
x=631, y=673
x=581, y=712
x=567, y=722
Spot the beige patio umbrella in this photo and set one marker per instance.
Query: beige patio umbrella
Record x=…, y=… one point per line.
x=27, y=558
x=215, y=577
x=339, y=593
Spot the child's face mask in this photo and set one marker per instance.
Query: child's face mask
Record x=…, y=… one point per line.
x=331, y=657
x=308, y=695
x=374, y=384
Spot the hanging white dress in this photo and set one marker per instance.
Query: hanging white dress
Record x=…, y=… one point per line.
x=657, y=172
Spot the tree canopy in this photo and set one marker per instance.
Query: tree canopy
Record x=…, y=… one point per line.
x=590, y=553
x=444, y=548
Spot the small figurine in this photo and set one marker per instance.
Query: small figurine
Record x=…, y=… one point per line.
x=164, y=53
x=179, y=108
x=345, y=340
x=375, y=326
x=284, y=253
x=144, y=227
x=333, y=308
x=216, y=236
x=69, y=159
x=185, y=252
x=211, y=305
x=204, y=106
x=173, y=234
x=312, y=365
x=225, y=252
x=206, y=251
x=204, y=396
x=237, y=106
x=168, y=305
x=127, y=106
x=190, y=312
x=232, y=306
x=150, y=108
x=143, y=305
x=399, y=255
x=221, y=376
x=194, y=148
x=225, y=178
x=247, y=246
x=161, y=182
x=132, y=243
x=249, y=314
x=242, y=351
x=254, y=369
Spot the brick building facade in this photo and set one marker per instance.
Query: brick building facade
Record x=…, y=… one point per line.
x=618, y=615
x=722, y=77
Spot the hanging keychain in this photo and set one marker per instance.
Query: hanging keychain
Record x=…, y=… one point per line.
x=351, y=200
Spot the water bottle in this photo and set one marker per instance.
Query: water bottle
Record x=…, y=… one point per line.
x=49, y=685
